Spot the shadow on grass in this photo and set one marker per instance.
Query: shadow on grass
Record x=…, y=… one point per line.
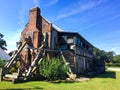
x=35, y=88
x=17, y=89
x=107, y=74
x=62, y=81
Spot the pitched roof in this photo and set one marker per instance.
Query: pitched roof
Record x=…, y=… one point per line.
x=62, y=31
x=54, y=26
x=4, y=55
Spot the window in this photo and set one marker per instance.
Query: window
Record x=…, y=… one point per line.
x=78, y=42
x=70, y=40
x=55, y=42
x=84, y=45
x=29, y=34
x=62, y=40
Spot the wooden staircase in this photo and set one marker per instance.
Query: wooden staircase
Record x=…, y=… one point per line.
x=69, y=60
x=69, y=57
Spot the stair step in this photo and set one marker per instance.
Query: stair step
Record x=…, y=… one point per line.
x=10, y=76
x=7, y=78
x=15, y=73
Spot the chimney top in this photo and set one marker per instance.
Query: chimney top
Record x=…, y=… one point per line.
x=35, y=9
x=34, y=16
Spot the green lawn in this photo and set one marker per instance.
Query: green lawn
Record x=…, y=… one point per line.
x=108, y=81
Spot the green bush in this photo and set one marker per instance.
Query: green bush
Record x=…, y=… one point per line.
x=14, y=68
x=2, y=62
x=53, y=69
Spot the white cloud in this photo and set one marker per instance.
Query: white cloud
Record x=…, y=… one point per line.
x=116, y=50
x=36, y=2
x=51, y=2
x=11, y=41
x=22, y=13
x=77, y=8
x=109, y=47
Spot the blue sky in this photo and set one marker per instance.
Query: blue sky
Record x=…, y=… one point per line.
x=98, y=21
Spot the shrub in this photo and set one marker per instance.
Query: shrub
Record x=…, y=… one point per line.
x=2, y=62
x=14, y=68
x=53, y=69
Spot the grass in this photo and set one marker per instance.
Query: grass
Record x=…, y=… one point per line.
x=107, y=81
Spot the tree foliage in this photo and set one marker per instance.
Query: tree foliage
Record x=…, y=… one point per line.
x=53, y=69
x=103, y=55
x=10, y=53
x=116, y=59
x=115, y=62
x=2, y=42
x=2, y=62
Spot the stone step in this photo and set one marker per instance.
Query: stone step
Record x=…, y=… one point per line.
x=11, y=76
x=15, y=73
x=7, y=79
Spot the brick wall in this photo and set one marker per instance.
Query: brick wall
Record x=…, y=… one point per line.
x=35, y=28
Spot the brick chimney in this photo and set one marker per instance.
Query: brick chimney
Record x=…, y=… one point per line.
x=33, y=28
x=35, y=18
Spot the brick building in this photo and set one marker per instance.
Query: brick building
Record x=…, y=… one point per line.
x=77, y=50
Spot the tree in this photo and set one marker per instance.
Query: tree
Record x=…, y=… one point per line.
x=11, y=53
x=103, y=55
x=2, y=42
x=109, y=56
x=116, y=59
x=2, y=62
